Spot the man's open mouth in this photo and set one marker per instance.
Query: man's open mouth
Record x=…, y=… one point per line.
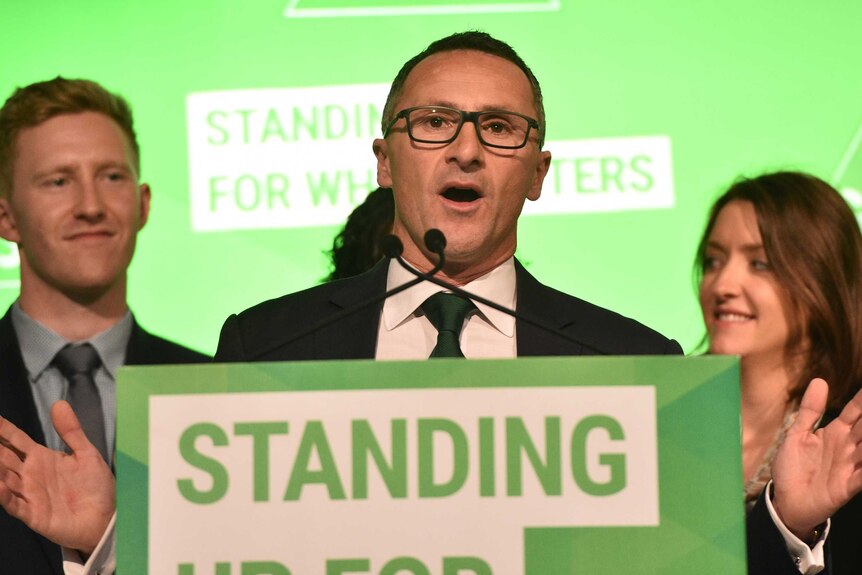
x=461, y=194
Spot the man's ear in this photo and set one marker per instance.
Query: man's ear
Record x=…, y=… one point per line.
x=542, y=166
x=8, y=227
x=144, y=199
x=384, y=174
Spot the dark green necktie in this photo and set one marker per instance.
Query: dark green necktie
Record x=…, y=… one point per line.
x=446, y=312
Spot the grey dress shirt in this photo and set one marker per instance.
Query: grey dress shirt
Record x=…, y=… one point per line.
x=39, y=345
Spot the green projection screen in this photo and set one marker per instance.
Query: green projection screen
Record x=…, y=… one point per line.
x=256, y=117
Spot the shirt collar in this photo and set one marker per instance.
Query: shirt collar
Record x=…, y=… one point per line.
x=39, y=344
x=498, y=286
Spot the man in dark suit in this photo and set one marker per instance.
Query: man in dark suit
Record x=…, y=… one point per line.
x=71, y=201
x=255, y=334
x=463, y=129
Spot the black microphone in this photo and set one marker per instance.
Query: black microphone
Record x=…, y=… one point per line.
x=435, y=242
x=391, y=246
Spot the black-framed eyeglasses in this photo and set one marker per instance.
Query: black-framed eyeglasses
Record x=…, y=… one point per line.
x=441, y=125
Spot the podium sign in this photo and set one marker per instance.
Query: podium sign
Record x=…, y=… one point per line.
x=534, y=466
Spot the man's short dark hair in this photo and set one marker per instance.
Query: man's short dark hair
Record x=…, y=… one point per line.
x=471, y=40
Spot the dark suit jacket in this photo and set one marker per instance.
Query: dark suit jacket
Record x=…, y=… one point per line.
x=261, y=333
x=23, y=551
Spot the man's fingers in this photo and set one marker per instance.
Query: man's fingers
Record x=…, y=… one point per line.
x=6, y=446
x=13, y=503
x=812, y=407
x=7, y=499
x=10, y=459
x=14, y=438
x=69, y=429
x=11, y=481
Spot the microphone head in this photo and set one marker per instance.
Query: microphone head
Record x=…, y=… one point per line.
x=435, y=241
x=391, y=246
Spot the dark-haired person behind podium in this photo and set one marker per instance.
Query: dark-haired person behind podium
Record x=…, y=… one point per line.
x=71, y=201
x=357, y=246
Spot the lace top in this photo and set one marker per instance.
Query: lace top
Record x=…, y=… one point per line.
x=757, y=482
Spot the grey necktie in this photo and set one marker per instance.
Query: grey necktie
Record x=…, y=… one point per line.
x=446, y=311
x=78, y=364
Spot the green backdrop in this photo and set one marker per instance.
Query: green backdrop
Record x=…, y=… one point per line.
x=737, y=87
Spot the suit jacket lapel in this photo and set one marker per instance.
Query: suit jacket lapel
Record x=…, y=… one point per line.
x=139, y=349
x=538, y=302
x=16, y=398
x=355, y=336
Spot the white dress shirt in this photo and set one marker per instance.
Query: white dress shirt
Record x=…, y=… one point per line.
x=809, y=560
x=405, y=332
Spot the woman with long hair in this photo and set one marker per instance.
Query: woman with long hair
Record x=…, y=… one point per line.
x=780, y=274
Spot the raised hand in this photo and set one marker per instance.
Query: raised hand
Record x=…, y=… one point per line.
x=817, y=471
x=68, y=498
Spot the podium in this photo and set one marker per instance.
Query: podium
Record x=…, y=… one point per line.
x=531, y=466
